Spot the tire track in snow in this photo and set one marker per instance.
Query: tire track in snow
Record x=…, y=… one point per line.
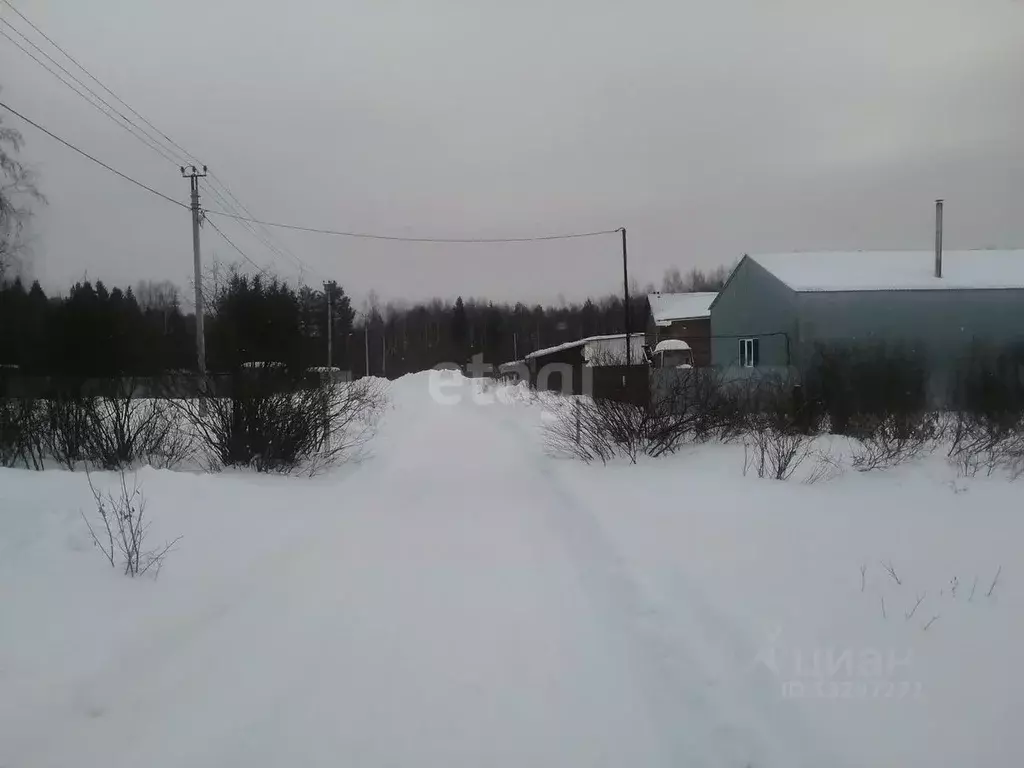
x=695, y=712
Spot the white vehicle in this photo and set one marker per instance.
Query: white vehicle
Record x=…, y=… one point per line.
x=672, y=353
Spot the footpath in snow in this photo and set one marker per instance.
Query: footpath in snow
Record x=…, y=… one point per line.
x=463, y=599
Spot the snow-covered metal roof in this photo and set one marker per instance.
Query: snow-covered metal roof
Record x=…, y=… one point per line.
x=895, y=270
x=612, y=351
x=602, y=350
x=667, y=308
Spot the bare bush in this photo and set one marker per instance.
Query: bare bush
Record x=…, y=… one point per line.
x=981, y=449
x=995, y=580
x=66, y=420
x=827, y=466
x=21, y=433
x=574, y=430
x=858, y=385
x=273, y=423
x=920, y=599
x=694, y=405
x=989, y=442
x=894, y=439
x=126, y=430
x=689, y=406
x=891, y=570
x=350, y=413
x=776, y=440
x=120, y=532
x=597, y=429
x=774, y=449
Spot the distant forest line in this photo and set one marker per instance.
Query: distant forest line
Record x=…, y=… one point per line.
x=96, y=330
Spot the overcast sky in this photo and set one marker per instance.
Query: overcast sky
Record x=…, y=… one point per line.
x=708, y=128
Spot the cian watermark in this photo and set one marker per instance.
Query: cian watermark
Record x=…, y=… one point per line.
x=840, y=672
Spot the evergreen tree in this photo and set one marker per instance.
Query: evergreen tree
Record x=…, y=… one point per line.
x=459, y=327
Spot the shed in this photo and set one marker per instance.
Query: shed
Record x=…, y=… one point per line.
x=777, y=310
x=576, y=367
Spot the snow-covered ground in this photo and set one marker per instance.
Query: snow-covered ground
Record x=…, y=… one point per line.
x=463, y=599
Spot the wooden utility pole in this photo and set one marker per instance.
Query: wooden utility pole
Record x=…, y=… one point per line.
x=366, y=330
x=625, y=295
x=330, y=322
x=194, y=176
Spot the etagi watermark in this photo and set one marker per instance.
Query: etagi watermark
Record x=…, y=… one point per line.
x=840, y=673
x=449, y=383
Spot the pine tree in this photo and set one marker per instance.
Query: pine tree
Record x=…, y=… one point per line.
x=460, y=326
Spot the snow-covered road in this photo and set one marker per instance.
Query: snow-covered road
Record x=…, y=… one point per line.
x=457, y=600
x=460, y=609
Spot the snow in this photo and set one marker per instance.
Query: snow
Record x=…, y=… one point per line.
x=463, y=599
x=601, y=350
x=667, y=308
x=672, y=345
x=895, y=270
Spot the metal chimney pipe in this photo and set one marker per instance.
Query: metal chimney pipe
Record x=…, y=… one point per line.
x=938, y=238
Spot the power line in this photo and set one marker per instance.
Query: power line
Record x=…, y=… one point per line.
x=264, y=238
x=86, y=155
x=269, y=237
x=369, y=236
x=242, y=253
x=191, y=158
x=280, y=249
x=128, y=125
x=248, y=219
x=338, y=233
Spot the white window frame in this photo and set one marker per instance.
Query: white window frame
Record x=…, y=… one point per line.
x=746, y=356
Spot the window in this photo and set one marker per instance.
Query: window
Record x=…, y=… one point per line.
x=750, y=353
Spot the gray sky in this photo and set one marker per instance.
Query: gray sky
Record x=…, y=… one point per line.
x=708, y=128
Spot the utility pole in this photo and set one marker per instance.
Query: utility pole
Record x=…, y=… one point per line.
x=330, y=322
x=625, y=295
x=194, y=176
x=366, y=330
x=515, y=346
x=384, y=352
